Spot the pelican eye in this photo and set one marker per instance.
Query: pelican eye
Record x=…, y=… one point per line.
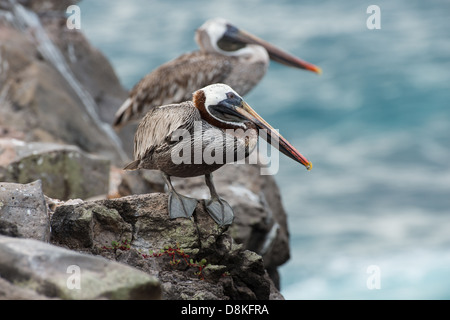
x=225, y=109
x=227, y=44
x=231, y=95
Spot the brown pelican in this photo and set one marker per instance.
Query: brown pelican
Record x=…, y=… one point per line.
x=216, y=123
x=227, y=55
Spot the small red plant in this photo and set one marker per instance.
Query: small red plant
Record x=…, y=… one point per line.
x=178, y=255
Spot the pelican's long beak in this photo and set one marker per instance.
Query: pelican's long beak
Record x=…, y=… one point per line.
x=272, y=136
x=274, y=52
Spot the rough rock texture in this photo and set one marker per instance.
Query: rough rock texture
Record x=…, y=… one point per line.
x=142, y=222
x=65, y=171
x=260, y=220
x=48, y=88
x=42, y=270
x=23, y=211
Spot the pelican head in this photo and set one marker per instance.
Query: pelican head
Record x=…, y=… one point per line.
x=224, y=108
x=220, y=36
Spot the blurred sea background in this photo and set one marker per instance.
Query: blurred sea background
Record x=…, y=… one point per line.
x=375, y=124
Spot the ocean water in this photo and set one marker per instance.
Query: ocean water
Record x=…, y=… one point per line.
x=376, y=125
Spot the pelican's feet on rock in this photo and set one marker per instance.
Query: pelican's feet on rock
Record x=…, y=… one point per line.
x=181, y=206
x=220, y=211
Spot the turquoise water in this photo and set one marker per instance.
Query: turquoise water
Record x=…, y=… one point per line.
x=376, y=125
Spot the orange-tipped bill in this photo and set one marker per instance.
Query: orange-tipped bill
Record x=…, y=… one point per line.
x=274, y=52
x=272, y=136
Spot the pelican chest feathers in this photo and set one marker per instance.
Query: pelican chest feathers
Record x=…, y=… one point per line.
x=198, y=137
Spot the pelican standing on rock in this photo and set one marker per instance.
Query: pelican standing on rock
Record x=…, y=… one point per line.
x=227, y=55
x=216, y=123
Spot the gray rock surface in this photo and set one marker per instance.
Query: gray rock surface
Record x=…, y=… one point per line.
x=141, y=226
x=54, y=87
x=23, y=211
x=260, y=220
x=34, y=269
x=65, y=171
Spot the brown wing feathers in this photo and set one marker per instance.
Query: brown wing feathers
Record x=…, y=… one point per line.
x=173, y=82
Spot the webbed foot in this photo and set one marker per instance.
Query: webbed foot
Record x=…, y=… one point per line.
x=220, y=211
x=181, y=206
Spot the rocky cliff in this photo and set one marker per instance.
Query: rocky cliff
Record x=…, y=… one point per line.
x=66, y=206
